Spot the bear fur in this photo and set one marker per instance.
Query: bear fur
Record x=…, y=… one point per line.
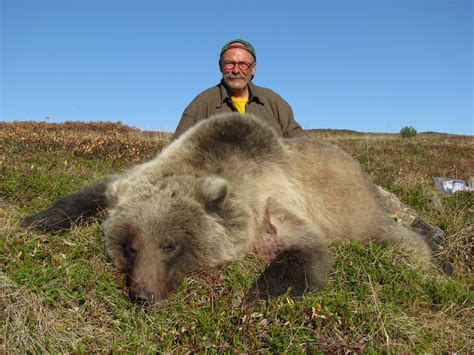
x=228, y=187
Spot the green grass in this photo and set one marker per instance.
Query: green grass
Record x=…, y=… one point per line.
x=59, y=293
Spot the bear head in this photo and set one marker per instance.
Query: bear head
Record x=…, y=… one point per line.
x=183, y=224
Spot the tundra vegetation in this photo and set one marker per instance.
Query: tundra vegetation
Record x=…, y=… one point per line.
x=59, y=293
x=408, y=132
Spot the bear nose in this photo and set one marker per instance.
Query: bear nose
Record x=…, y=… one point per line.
x=141, y=296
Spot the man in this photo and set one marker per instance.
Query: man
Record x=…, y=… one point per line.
x=236, y=92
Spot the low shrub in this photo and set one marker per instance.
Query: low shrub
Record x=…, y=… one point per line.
x=408, y=132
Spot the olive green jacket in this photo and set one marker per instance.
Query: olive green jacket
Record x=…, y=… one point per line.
x=263, y=103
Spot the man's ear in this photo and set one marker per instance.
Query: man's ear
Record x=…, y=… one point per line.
x=254, y=68
x=213, y=192
x=220, y=65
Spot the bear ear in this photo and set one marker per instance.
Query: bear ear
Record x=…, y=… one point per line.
x=213, y=192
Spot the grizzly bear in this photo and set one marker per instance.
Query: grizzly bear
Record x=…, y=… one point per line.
x=228, y=187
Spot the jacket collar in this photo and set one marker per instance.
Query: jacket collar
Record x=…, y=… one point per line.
x=225, y=98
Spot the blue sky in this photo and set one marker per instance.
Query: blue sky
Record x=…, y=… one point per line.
x=365, y=65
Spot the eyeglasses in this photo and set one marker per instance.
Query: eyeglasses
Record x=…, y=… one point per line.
x=230, y=64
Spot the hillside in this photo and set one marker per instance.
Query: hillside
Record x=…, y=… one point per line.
x=59, y=293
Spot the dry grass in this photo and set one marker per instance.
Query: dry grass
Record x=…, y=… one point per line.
x=59, y=293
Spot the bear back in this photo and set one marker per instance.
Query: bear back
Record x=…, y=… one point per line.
x=232, y=136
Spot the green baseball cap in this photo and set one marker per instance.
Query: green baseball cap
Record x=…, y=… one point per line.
x=246, y=45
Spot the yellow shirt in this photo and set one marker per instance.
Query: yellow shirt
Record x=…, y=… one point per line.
x=240, y=103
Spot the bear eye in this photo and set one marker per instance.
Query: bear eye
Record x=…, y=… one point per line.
x=168, y=248
x=130, y=253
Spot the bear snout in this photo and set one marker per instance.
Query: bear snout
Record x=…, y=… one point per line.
x=141, y=296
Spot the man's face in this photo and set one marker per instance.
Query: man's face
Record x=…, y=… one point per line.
x=237, y=67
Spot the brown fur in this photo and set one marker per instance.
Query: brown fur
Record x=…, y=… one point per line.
x=230, y=186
